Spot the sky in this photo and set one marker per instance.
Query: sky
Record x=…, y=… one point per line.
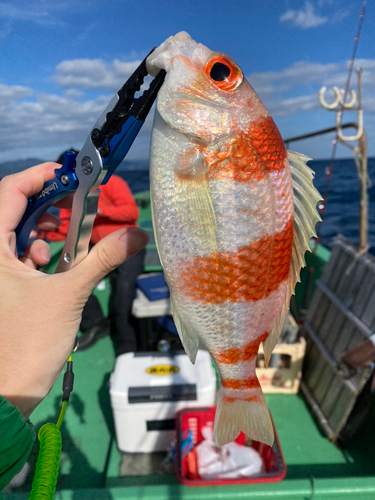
x=62, y=61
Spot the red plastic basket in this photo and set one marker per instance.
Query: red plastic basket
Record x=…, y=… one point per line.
x=194, y=419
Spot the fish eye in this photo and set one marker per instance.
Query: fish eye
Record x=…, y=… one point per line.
x=219, y=72
x=224, y=72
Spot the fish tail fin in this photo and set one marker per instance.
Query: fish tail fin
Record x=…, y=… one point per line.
x=249, y=415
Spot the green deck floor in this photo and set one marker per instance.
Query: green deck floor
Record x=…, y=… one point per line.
x=90, y=459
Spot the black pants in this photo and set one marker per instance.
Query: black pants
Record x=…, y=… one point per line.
x=123, y=292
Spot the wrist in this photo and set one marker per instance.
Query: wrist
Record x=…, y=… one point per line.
x=27, y=389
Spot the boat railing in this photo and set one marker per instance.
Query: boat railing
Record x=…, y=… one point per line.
x=339, y=105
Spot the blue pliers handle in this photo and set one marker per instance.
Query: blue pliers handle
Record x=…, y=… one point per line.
x=64, y=183
x=105, y=148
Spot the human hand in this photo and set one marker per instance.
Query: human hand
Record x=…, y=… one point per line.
x=40, y=313
x=34, y=233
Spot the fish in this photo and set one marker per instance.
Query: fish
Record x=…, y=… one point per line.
x=233, y=213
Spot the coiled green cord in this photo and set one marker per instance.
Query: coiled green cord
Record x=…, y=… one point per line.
x=47, y=465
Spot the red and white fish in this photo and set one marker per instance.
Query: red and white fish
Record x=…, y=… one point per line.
x=233, y=214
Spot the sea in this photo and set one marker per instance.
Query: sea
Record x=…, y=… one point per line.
x=341, y=215
x=342, y=210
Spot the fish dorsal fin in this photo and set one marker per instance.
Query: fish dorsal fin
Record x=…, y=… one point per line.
x=305, y=217
x=306, y=196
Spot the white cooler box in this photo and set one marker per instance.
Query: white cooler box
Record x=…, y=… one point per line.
x=148, y=388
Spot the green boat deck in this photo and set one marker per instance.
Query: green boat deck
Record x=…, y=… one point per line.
x=90, y=461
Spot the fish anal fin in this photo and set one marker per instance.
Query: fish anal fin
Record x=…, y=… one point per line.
x=273, y=337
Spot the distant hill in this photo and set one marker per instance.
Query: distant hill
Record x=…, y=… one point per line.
x=12, y=167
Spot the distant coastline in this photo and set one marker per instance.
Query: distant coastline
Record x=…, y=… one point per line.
x=14, y=166
x=342, y=212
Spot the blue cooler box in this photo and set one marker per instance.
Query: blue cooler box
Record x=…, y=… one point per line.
x=152, y=310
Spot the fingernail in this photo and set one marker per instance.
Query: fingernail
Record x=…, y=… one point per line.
x=46, y=254
x=135, y=239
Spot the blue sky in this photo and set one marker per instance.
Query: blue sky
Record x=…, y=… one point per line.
x=61, y=61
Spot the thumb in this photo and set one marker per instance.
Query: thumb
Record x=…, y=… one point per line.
x=107, y=255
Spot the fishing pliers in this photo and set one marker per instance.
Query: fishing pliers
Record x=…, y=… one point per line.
x=106, y=146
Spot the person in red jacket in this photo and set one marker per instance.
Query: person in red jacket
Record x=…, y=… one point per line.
x=116, y=209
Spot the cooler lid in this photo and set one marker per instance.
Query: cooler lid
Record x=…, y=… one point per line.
x=155, y=369
x=153, y=286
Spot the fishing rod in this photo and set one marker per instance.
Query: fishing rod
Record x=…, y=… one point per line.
x=329, y=169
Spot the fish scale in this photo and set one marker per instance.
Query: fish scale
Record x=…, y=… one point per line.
x=223, y=213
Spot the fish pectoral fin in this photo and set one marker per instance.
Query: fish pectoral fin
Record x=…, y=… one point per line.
x=191, y=164
x=190, y=342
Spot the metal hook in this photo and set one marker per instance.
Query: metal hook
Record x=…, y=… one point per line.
x=335, y=103
x=338, y=105
x=350, y=104
x=339, y=101
x=355, y=137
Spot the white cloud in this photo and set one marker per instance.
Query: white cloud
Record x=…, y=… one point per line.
x=293, y=105
x=308, y=78
x=14, y=92
x=94, y=73
x=33, y=121
x=73, y=93
x=304, y=18
x=32, y=12
x=307, y=17
x=46, y=120
x=300, y=73
x=41, y=12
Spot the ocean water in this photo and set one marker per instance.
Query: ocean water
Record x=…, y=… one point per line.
x=342, y=210
x=343, y=202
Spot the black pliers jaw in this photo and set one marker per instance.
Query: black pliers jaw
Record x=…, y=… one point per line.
x=105, y=148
